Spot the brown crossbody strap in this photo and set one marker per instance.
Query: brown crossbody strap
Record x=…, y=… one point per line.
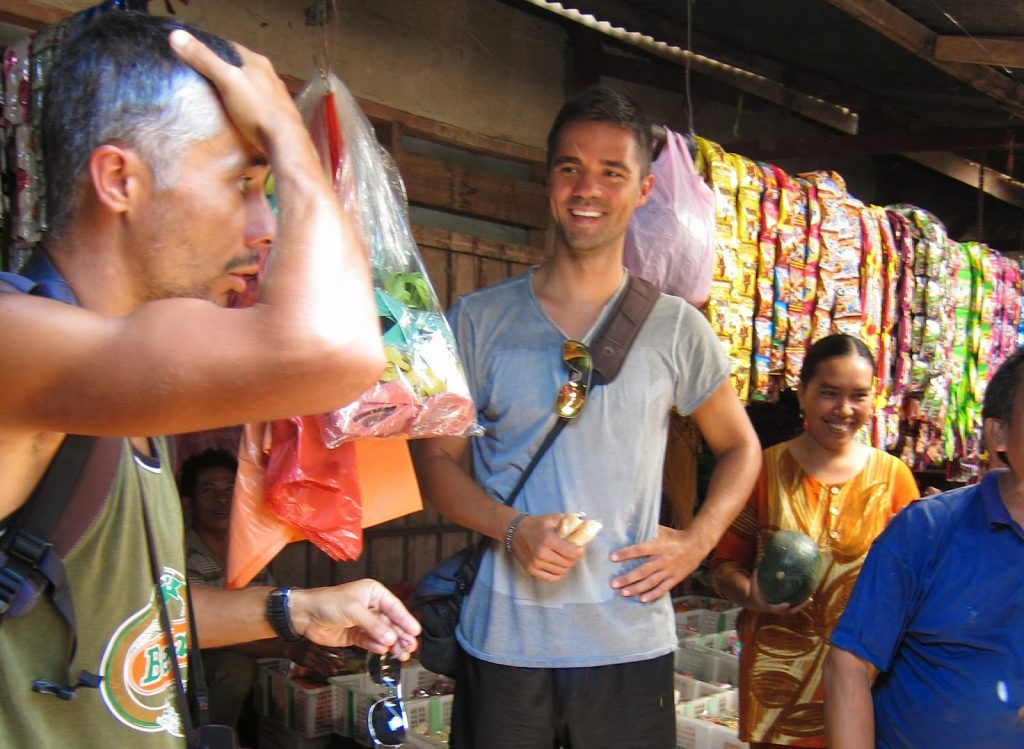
x=611, y=346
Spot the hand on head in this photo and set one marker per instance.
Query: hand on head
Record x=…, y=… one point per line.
x=254, y=96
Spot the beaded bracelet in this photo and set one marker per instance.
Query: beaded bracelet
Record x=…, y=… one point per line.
x=511, y=531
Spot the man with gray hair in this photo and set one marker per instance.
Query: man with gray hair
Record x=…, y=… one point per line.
x=157, y=144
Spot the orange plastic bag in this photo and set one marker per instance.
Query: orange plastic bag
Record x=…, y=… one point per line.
x=387, y=485
x=256, y=534
x=315, y=488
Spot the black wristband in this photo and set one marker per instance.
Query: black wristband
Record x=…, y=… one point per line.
x=279, y=615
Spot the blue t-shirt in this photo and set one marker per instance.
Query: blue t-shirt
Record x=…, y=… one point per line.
x=939, y=610
x=607, y=463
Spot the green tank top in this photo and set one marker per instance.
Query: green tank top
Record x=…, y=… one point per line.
x=119, y=632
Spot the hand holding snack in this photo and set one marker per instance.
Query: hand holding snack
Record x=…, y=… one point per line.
x=575, y=528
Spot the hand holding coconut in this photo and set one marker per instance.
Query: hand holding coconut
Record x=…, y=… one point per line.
x=789, y=572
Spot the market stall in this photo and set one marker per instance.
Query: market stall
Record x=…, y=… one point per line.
x=797, y=257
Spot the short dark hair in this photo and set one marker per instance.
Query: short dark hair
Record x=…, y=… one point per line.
x=830, y=347
x=116, y=78
x=1002, y=389
x=603, y=104
x=211, y=457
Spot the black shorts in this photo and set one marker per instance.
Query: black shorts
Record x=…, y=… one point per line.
x=625, y=706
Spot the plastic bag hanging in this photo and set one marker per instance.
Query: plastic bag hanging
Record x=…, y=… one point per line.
x=315, y=488
x=423, y=392
x=670, y=240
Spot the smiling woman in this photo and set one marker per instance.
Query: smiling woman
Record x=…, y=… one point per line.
x=841, y=493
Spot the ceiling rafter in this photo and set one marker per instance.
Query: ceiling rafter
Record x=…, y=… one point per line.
x=889, y=142
x=1007, y=53
x=897, y=26
x=837, y=116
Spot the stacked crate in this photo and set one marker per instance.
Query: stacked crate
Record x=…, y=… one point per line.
x=707, y=673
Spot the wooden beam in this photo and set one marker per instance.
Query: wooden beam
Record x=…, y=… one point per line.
x=469, y=244
x=945, y=139
x=439, y=132
x=30, y=15
x=816, y=108
x=473, y=192
x=980, y=51
x=996, y=184
x=897, y=26
x=651, y=71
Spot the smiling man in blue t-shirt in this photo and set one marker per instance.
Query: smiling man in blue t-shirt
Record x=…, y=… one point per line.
x=566, y=647
x=930, y=649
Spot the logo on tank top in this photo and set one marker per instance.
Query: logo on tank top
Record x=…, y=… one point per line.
x=138, y=681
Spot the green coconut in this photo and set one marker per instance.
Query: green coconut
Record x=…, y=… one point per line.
x=790, y=569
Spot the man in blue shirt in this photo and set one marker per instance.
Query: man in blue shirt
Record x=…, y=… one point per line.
x=930, y=649
x=566, y=646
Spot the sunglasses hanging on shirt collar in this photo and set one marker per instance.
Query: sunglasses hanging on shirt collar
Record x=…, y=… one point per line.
x=573, y=394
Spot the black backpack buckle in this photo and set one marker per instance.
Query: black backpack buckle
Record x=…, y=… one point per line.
x=10, y=585
x=28, y=547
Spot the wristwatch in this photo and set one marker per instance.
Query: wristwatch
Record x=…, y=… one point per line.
x=279, y=615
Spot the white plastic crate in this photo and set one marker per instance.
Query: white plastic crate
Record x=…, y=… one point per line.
x=299, y=705
x=699, y=723
x=688, y=689
x=700, y=615
x=352, y=695
x=709, y=658
x=427, y=714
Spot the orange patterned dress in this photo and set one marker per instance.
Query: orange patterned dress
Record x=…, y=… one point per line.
x=781, y=658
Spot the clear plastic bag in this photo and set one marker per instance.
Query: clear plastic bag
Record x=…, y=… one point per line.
x=670, y=240
x=423, y=392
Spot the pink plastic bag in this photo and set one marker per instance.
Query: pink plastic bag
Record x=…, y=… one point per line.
x=671, y=239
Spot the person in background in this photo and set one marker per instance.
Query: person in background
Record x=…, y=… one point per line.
x=929, y=651
x=157, y=142
x=207, y=486
x=841, y=493
x=570, y=646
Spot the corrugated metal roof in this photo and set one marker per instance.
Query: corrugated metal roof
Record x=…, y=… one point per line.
x=816, y=37
x=880, y=60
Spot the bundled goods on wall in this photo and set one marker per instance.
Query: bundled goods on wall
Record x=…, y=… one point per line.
x=26, y=65
x=798, y=258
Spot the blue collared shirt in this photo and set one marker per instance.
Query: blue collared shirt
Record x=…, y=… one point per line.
x=939, y=610
x=40, y=277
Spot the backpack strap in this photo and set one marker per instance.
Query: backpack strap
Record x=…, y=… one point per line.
x=29, y=562
x=611, y=346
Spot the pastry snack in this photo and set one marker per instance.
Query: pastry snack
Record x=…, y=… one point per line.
x=575, y=528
